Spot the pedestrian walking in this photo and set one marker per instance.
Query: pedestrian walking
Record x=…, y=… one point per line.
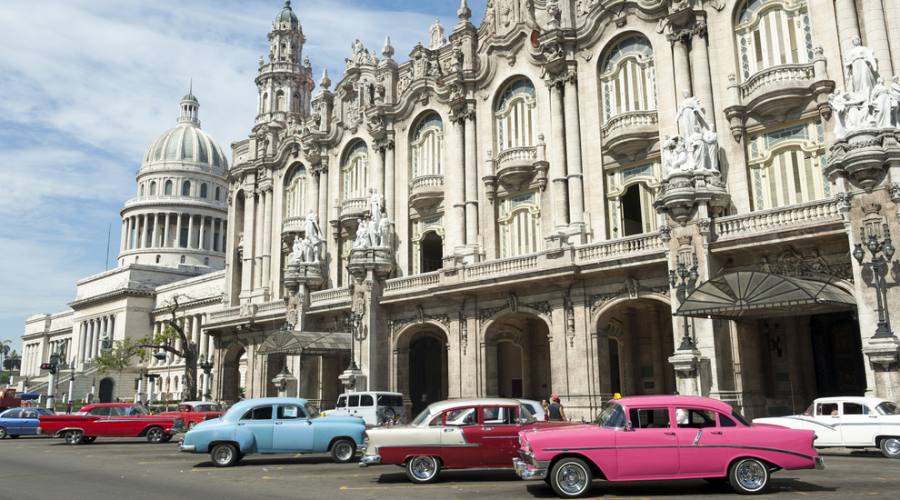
x=555, y=410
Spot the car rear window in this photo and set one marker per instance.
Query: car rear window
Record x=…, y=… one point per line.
x=649, y=418
x=260, y=413
x=390, y=400
x=366, y=400
x=354, y=401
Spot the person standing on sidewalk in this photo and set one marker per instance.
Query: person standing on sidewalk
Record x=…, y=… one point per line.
x=556, y=411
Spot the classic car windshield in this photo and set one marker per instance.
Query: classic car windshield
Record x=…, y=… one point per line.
x=11, y=413
x=206, y=407
x=421, y=418
x=887, y=408
x=612, y=416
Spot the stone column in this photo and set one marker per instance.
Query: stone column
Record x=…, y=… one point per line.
x=124, y=233
x=892, y=17
x=89, y=349
x=378, y=171
x=82, y=341
x=258, y=230
x=178, y=231
x=700, y=72
x=155, y=238
x=144, y=230
x=190, y=238
x=323, y=198
x=471, y=181
x=876, y=35
x=247, y=254
x=201, y=240
x=390, y=201
x=848, y=26
x=682, y=66
x=454, y=190
x=267, y=239
x=166, y=231
x=558, y=195
x=573, y=151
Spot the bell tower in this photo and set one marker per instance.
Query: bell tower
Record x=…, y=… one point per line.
x=284, y=82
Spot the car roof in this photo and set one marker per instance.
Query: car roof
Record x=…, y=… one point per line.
x=852, y=399
x=383, y=393
x=674, y=400
x=242, y=406
x=107, y=405
x=454, y=403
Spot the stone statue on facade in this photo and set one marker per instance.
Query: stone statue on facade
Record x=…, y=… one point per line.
x=376, y=202
x=363, y=240
x=696, y=147
x=690, y=117
x=674, y=155
x=384, y=232
x=882, y=105
x=437, y=35
x=862, y=69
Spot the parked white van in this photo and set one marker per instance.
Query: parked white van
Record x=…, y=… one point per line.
x=376, y=408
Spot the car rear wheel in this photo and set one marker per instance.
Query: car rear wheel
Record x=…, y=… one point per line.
x=73, y=437
x=890, y=447
x=423, y=469
x=155, y=435
x=88, y=439
x=3, y=433
x=749, y=476
x=224, y=455
x=571, y=478
x=343, y=450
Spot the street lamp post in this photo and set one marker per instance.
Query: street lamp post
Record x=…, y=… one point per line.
x=71, y=387
x=355, y=322
x=140, y=383
x=683, y=279
x=206, y=365
x=161, y=356
x=881, y=253
x=51, y=383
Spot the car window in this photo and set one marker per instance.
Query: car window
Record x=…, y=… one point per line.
x=101, y=412
x=437, y=421
x=119, y=411
x=498, y=415
x=826, y=409
x=29, y=414
x=649, y=418
x=290, y=412
x=185, y=408
x=353, y=401
x=887, y=408
x=260, y=413
x=855, y=409
x=725, y=421
x=14, y=413
x=366, y=400
x=461, y=417
x=693, y=418
x=44, y=411
x=341, y=402
x=525, y=412
x=390, y=400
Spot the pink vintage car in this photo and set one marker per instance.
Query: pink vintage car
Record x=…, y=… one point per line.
x=662, y=438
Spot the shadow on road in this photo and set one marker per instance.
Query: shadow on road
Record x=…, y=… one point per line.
x=676, y=488
x=456, y=476
x=854, y=454
x=251, y=462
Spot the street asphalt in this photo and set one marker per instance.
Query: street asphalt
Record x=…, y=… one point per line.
x=122, y=469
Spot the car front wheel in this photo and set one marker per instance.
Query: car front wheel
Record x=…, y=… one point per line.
x=749, y=476
x=3, y=433
x=73, y=437
x=343, y=450
x=571, y=478
x=890, y=447
x=224, y=455
x=155, y=435
x=423, y=469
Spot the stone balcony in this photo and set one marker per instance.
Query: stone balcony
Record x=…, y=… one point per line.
x=629, y=134
x=515, y=168
x=426, y=191
x=811, y=220
x=353, y=208
x=774, y=92
x=293, y=225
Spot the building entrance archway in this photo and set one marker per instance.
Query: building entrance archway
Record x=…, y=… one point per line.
x=422, y=367
x=107, y=387
x=234, y=366
x=517, y=358
x=634, y=341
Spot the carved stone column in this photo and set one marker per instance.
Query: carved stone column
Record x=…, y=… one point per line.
x=378, y=169
x=558, y=194
x=454, y=186
x=390, y=201
x=700, y=71
x=848, y=25
x=573, y=151
x=248, y=249
x=682, y=64
x=877, y=35
x=267, y=237
x=471, y=182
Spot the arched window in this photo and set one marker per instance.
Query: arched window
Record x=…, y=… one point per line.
x=427, y=248
x=294, y=191
x=264, y=103
x=295, y=103
x=355, y=172
x=280, y=104
x=141, y=190
x=218, y=193
x=168, y=189
x=786, y=166
x=426, y=147
x=153, y=188
x=628, y=78
x=519, y=221
x=186, y=188
x=772, y=33
x=514, y=116
x=631, y=192
x=203, y=190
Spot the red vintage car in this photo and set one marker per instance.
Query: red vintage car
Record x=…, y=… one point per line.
x=453, y=434
x=194, y=412
x=111, y=420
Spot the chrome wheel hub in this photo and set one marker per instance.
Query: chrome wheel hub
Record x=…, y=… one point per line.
x=571, y=478
x=222, y=455
x=751, y=475
x=423, y=467
x=892, y=446
x=343, y=451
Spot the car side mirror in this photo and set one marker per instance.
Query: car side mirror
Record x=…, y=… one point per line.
x=629, y=427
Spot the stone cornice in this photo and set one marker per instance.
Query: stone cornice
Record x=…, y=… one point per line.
x=115, y=294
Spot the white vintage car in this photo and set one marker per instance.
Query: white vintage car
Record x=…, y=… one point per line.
x=848, y=422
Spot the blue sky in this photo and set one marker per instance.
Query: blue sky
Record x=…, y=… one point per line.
x=85, y=85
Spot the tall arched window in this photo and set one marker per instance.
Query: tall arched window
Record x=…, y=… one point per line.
x=203, y=190
x=168, y=188
x=519, y=223
x=514, y=116
x=786, y=166
x=218, y=193
x=294, y=191
x=426, y=147
x=631, y=192
x=771, y=33
x=628, y=78
x=141, y=190
x=355, y=171
x=152, y=188
x=280, y=104
x=186, y=188
x=264, y=103
x=295, y=103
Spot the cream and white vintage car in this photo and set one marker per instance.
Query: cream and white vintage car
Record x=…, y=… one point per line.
x=848, y=422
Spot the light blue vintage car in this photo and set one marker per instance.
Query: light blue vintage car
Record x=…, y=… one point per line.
x=274, y=425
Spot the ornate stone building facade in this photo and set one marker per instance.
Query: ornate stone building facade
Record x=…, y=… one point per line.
x=579, y=197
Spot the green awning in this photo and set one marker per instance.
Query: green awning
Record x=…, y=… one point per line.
x=746, y=294
x=293, y=342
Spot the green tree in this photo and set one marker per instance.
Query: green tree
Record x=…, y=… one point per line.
x=4, y=353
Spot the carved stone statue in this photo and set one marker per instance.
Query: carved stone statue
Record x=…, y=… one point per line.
x=674, y=155
x=437, y=35
x=691, y=118
x=384, y=232
x=882, y=105
x=376, y=202
x=895, y=97
x=311, y=227
x=299, y=251
x=363, y=240
x=862, y=69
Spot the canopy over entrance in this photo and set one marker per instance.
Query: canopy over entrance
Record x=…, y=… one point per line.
x=292, y=342
x=748, y=294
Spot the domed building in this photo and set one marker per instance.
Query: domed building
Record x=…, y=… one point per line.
x=179, y=215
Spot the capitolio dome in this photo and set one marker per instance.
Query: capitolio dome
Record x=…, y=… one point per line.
x=186, y=143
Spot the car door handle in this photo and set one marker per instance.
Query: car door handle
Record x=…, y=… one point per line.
x=278, y=423
x=487, y=429
x=241, y=424
x=716, y=433
x=669, y=433
x=448, y=430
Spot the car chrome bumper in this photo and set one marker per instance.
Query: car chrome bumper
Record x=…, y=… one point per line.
x=820, y=463
x=187, y=448
x=527, y=471
x=369, y=460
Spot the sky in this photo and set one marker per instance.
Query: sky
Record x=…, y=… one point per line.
x=86, y=85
